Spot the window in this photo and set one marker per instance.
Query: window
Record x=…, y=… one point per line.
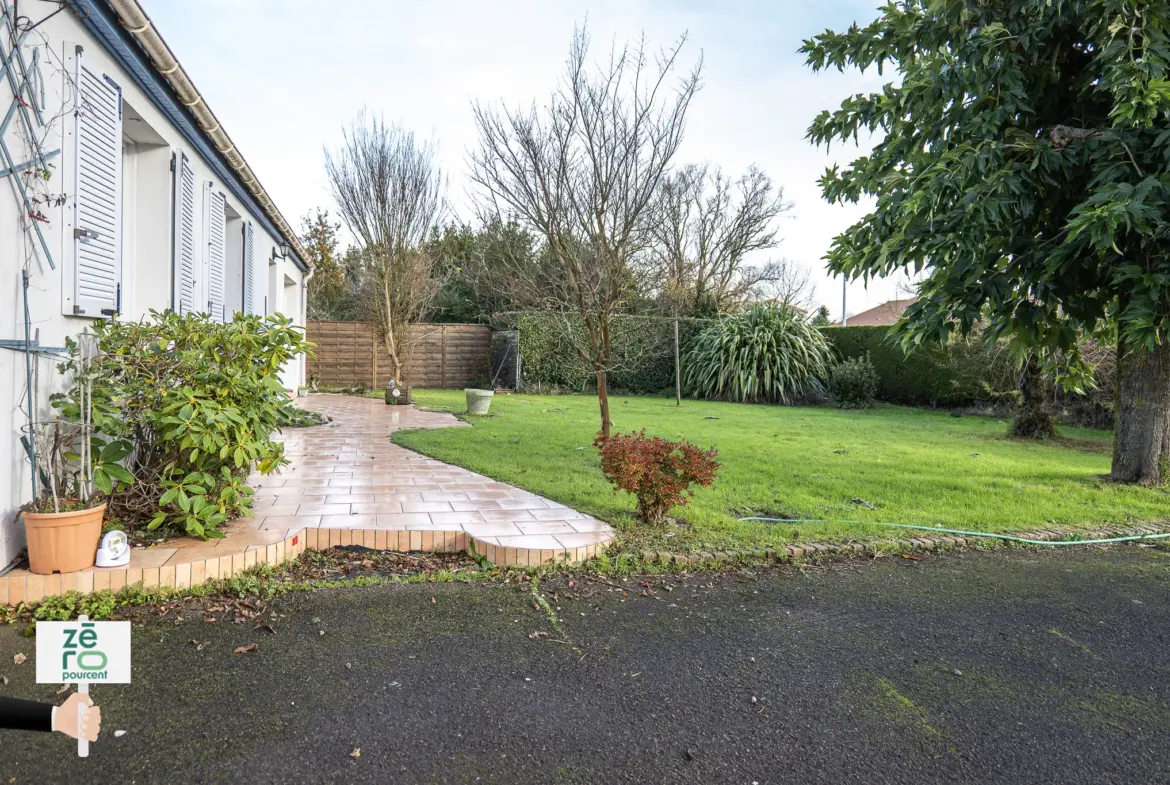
x=97, y=203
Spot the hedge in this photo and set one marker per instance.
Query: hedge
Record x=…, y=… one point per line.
x=643, y=351
x=959, y=373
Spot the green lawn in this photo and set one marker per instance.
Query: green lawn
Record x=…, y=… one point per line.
x=914, y=466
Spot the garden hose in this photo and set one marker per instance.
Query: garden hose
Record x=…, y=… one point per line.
x=989, y=535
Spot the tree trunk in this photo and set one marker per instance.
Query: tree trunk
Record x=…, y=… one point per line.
x=1141, y=441
x=603, y=401
x=1034, y=419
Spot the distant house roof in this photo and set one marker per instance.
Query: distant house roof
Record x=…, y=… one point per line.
x=888, y=313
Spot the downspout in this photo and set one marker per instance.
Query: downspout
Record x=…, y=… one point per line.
x=305, y=317
x=138, y=24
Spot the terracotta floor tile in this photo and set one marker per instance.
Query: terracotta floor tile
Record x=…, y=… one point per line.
x=522, y=504
x=589, y=525
x=323, y=509
x=146, y=558
x=292, y=521
x=557, y=514
x=426, y=507
x=348, y=498
x=545, y=527
x=375, y=508
x=444, y=496
x=582, y=539
x=348, y=521
x=491, y=529
x=456, y=519
x=532, y=541
x=276, y=509
x=403, y=519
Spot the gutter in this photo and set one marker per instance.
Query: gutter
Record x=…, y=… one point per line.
x=138, y=24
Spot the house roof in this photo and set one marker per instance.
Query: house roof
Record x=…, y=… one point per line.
x=127, y=33
x=886, y=314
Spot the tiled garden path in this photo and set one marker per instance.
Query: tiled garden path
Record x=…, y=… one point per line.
x=347, y=475
x=346, y=484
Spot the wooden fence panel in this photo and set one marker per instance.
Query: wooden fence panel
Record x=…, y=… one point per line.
x=444, y=356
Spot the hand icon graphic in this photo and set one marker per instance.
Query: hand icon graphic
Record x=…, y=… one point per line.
x=67, y=718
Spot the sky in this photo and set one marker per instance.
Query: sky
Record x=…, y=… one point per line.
x=284, y=76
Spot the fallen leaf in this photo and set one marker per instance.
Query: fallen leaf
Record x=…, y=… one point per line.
x=357, y=752
x=64, y=688
x=538, y=634
x=199, y=645
x=267, y=627
x=911, y=556
x=246, y=649
x=209, y=620
x=19, y=658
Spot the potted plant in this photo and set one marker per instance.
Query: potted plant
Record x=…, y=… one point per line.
x=479, y=396
x=76, y=472
x=75, y=469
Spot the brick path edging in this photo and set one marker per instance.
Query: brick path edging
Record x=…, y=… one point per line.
x=907, y=545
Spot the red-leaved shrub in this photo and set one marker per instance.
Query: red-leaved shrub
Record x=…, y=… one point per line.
x=655, y=470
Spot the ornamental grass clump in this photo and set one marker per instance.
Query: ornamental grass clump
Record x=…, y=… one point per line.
x=659, y=472
x=768, y=354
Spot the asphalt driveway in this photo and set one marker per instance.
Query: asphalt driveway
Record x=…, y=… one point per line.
x=1012, y=667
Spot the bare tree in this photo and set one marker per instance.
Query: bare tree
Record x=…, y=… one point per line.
x=704, y=226
x=581, y=172
x=784, y=282
x=389, y=191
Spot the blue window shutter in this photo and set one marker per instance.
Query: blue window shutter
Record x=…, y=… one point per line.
x=216, y=255
x=97, y=204
x=183, y=298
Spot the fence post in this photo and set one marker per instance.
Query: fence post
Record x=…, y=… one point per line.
x=443, y=357
x=373, y=361
x=677, y=375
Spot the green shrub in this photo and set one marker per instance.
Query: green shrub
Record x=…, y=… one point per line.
x=71, y=604
x=768, y=354
x=643, y=348
x=199, y=401
x=853, y=383
x=658, y=472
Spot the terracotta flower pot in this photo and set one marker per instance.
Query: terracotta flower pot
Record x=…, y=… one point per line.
x=63, y=541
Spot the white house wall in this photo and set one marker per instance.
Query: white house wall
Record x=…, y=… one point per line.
x=147, y=245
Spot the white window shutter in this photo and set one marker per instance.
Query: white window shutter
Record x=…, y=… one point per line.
x=249, y=269
x=183, y=298
x=216, y=254
x=97, y=204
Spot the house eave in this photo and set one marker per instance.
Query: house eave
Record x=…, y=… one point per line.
x=108, y=22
